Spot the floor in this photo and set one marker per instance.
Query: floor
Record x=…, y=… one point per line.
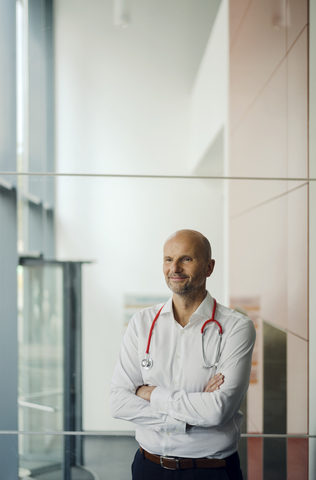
x=77, y=473
x=110, y=457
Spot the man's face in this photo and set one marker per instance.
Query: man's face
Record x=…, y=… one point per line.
x=185, y=266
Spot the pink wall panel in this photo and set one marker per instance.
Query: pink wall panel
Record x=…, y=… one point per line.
x=297, y=385
x=297, y=261
x=256, y=53
x=237, y=11
x=255, y=458
x=297, y=75
x=248, y=194
x=258, y=144
x=268, y=227
x=297, y=459
x=258, y=258
x=298, y=18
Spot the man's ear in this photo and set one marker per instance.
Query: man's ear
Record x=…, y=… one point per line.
x=210, y=267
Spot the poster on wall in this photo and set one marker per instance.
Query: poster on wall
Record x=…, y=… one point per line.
x=133, y=303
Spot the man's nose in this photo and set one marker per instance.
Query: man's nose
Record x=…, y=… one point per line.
x=176, y=266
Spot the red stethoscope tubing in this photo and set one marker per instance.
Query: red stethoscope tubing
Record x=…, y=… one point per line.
x=151, y=330
x=213, y=319
x=202, y=329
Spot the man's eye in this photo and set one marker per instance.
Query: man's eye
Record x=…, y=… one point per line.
x=187, y=259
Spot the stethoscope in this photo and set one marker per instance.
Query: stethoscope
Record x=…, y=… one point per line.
x=148, y=362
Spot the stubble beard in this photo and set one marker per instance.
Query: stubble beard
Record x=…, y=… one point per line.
x=188, y=291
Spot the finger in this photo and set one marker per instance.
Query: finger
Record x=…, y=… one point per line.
x=215, y=380
x=214, y=385
x=213, y=388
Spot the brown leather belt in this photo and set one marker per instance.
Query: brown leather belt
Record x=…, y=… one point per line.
x=177, y=463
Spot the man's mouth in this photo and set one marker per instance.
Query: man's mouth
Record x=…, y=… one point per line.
x=177, y=278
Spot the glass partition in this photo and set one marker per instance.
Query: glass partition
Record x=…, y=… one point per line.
x=123, y=122
x=41, y=363
x=103, y=457
x=104, y=220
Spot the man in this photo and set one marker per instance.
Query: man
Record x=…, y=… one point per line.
x=186, y=404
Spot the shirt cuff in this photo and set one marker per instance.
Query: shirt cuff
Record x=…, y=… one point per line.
x=159, y=399
x=159, y=403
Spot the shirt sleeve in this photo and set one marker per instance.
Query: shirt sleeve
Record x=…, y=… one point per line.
x=127, y=377
x=216, y=408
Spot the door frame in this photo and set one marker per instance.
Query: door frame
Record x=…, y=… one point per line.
x=72, y=346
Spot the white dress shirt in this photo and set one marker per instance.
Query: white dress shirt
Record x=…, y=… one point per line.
x=180, y=420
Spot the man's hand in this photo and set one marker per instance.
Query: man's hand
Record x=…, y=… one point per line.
x=144, y=392
x=214, y=383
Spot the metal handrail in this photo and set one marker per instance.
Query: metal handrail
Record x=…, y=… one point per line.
x=132, y=433
x=41, y=394
x=38, y=406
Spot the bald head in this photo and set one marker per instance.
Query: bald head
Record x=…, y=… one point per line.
x=187, y=263
x=195, y=237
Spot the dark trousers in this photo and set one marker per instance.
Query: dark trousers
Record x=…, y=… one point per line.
x=144, y=469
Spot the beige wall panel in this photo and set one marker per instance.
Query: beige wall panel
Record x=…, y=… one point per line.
x=245, y=195
x=255, y=390
x=297, y=385
x=298, y=18
x=297, y=107
x=258, y=50
x=297, y=239
x=237, y=11
x=258, y=258
x=258, y=145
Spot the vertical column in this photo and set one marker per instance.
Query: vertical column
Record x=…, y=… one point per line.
x=41, y=124
x=312, y=238
x=274, y=402
x=8, y=337
x=8, y=245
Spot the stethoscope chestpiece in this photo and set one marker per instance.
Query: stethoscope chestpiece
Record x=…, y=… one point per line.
x=147, y=363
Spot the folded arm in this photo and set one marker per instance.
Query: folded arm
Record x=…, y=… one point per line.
x=124, y=403
x=201, y=408
x=214, y=384
x=160, y=408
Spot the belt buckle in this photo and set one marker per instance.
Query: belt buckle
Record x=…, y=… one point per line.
x=162, y=457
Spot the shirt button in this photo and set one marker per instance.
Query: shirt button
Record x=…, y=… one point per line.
x=168, y=433
x=182, y=332
x=178, y=356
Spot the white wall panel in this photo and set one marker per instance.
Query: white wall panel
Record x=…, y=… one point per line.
x=209, y=101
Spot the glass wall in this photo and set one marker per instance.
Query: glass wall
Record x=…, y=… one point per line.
x=134, y=120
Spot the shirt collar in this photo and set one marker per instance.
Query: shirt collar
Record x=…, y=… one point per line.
x=204, y=310
x=167, y=308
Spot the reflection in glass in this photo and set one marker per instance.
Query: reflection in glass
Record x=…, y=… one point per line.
x=41, y=364
x=110, y=457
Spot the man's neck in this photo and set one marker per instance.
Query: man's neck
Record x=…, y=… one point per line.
x=185, y=305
